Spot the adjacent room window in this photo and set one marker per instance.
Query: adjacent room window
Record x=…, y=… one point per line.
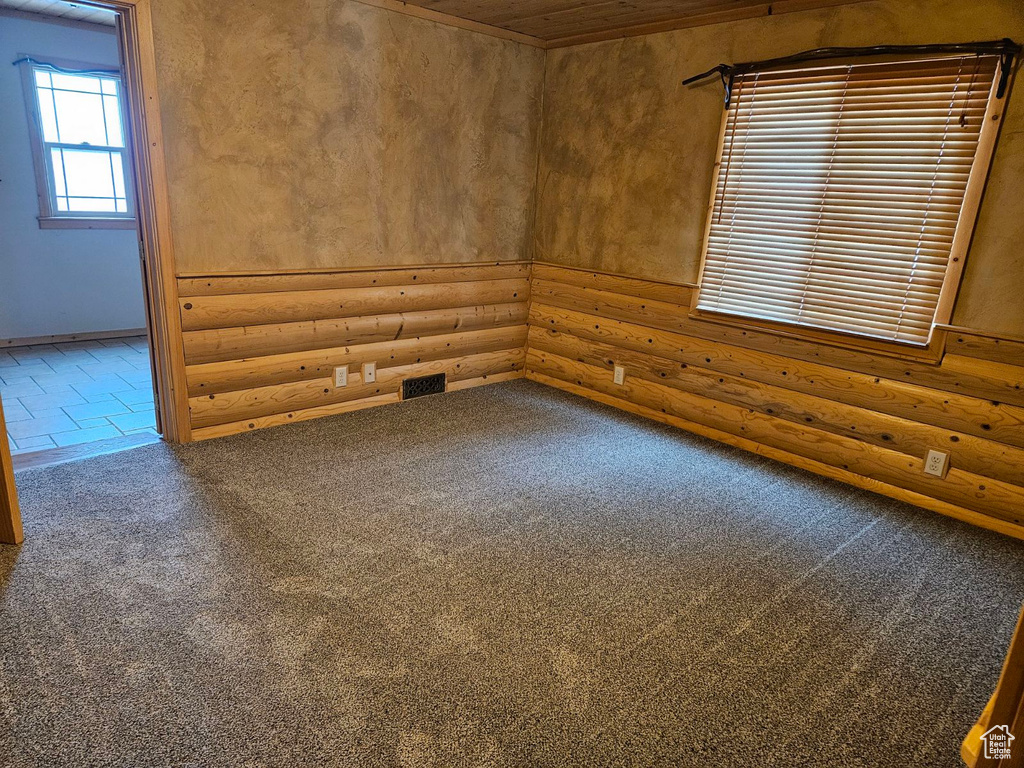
x=840, y=197
x=82, y=165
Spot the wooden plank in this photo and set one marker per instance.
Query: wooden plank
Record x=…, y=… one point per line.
x=676, y=293
x=232, y=311
x=409, y=9
x=960, y=413
x=972, y=454
x=221, y=285
x=792, y=459
x=1007, y=386
x=685, y=22
x=291, y=417
x=333, y=270
x=210, y=410
x=11, y=531
x=980, y=494
x=299, y=366
x=984, y=347
x=254, y=341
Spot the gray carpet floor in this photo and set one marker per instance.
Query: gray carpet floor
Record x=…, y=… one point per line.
x=507, y=576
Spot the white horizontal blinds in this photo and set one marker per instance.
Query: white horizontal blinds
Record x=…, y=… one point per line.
x=839, y=192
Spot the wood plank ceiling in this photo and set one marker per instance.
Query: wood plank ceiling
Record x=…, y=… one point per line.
x=557, y=23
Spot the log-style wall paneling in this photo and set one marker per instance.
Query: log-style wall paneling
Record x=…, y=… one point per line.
x=980, y=378
x=234, y=310
x=984, y=457
x=863, y=418
x=208, y=410
x=1009, y=351
x=222, y=285
x=255, y=340
x=973, y=415
x=210, y=378
x=261, y=349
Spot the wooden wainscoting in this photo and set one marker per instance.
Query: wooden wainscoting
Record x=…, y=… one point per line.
x=866, y=419
x=261, y=349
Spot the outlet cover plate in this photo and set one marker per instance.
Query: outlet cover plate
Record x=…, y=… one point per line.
x=936, y=463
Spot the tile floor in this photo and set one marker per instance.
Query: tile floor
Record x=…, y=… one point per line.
x=76, y=392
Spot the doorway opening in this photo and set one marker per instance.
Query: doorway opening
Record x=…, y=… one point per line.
x=134, y=202
x=76, y=363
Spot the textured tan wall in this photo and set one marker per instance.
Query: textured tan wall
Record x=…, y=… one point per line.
x=328, y=133
x=627, y=151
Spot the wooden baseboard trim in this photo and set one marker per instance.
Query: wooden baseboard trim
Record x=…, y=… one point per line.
x=62, y=338
x=818, y=468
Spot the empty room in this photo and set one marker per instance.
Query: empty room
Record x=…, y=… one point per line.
x=511, y=383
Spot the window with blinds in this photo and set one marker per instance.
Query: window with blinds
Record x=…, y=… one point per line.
x=839, y=193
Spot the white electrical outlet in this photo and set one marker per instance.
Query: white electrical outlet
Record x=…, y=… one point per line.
x=341, y=376
x=620, y=375
x=369, y=373
x=936, y=463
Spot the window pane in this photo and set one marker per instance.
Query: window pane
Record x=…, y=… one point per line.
x=46, y=114
x=117, y=173
x=89, y=180
x=82, y=83
x=59, y=184
x=80, y=118
x=112, y=112
x=109, y=86
x=42, y=78
x=88, y=173
x=90, y=205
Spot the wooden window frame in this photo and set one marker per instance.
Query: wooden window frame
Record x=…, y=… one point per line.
x=49, y=217
x=932, y=351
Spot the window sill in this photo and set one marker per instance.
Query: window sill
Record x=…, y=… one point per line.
x=929, y=355
x=72, y=222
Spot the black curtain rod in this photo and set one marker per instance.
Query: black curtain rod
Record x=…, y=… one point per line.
x=1005, y=48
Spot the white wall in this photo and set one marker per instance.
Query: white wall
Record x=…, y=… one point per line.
x=55, y=281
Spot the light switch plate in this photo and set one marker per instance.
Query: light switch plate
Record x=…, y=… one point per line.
x=620, y=375
x=369, y=373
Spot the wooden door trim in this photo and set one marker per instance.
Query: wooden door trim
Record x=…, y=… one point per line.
x=11, y=531
x=138, y=56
